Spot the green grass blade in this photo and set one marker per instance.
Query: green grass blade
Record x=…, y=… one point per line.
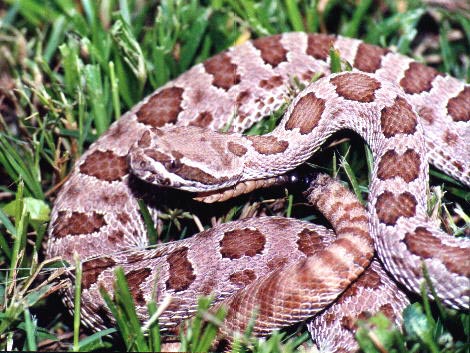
x=77, y=303
x=70, y=63
x=96, y=97
x=21, y=221
x=154, y=330
x=55, y=38
x=17, y=165
x=117, y=314
x=352, y=179
x=294, y=15
x=126, y=303
x=115, y=91
x=131, y=53
x=95, y=341
x=30, y=329
x=149, y=224
x=446, y=52
x=352, y=28
x=312, y=16
x=335, y=61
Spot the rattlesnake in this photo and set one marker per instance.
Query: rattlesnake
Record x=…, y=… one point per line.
x=96, y=213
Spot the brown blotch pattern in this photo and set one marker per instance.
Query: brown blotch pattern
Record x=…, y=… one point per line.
x=105, y=166
x=406, y=165
x=333, y=261
x=242, y=278
x=266, y=144
x=202, y=120
x=427, y=114
x=77, y=223
x=318, y=45
x=361, y=257
x=306, y=114
x=458, y=165
x=117, y=131
x=207, y=288
x=123, y=218
x=390, y=207
x=138, y=255
x=93, y=268
x=145, y=140
x=195, y=174
x=237, y=149
x=369, y=279
x=418, y=78
x=347, y=218
x=242, y=242
x=364, y=315
x=272, y=82
x=157, y=156
x=178, y=154
x=342, y=193
x=162, y=108
x=114, y=197
x=243, y=97
x=330, y=317
x=450, y=138
x=309, y=242
x=134, y=280
x=348, y=322
x=116, y=236
x=388, y=311
x=181, y=273
x=424, y=244
x=352, y=247
x=458, y=107
x=281, y=223
x=347, y=207
x=398, y=119
x=260, y=103
x=198, y=95
x=276, y=263
x=307, y=75
x=369, y=57
x=356, y=87
x=223, y=71
x=272, y=51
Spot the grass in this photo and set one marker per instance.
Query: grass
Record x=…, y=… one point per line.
x=69, y=68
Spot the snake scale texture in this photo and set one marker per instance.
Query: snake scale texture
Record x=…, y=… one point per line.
x=283, y=269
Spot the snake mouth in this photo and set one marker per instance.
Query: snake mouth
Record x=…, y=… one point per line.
x=297, y=176
x=243, y=187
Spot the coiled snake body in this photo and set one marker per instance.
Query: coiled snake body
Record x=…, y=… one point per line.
x=408, y=113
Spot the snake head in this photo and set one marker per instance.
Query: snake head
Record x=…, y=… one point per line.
x=188, y=158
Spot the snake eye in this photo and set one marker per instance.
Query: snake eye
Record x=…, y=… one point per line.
x=172, y=165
